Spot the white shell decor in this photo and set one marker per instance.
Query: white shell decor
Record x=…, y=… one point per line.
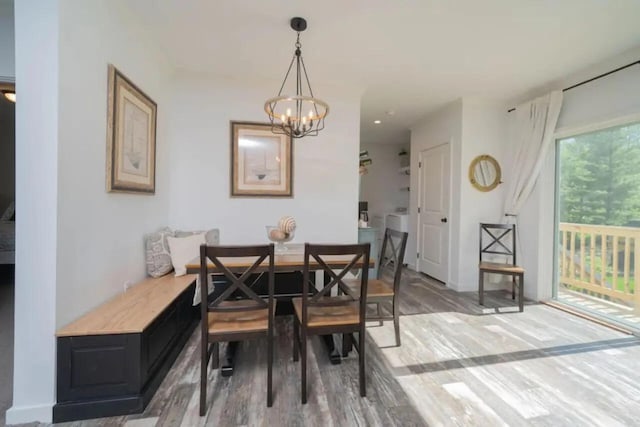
x=287, y=224
x=277, y=234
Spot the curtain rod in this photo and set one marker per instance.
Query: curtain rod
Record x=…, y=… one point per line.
x=592, y=79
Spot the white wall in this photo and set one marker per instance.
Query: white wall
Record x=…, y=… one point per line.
x=440, y=127
x=100, y=234
x=76, y=244
x=483, y=132
x=36, y=211
x=325, y=167
x=382, y=185
x=473, y=127
x=613, y=96
x=7, y=41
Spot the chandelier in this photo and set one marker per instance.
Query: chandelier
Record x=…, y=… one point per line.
x=301, y=114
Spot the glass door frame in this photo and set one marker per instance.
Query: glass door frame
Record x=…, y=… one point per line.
x=558, y=136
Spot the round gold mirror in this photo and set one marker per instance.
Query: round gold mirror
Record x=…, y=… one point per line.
x=484, y=173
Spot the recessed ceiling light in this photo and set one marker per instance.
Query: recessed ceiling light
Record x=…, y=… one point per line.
x=377, y=122
x=10, y=95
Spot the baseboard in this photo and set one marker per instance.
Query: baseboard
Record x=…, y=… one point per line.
x=28, y=414
x=453, y=286
x=99, y=408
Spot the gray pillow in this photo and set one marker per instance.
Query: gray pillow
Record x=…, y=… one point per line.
x=157, y=255
x=212, y=237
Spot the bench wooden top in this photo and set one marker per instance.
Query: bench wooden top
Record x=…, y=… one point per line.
x=131, y=311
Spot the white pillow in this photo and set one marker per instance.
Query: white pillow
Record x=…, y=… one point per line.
x=183, y=250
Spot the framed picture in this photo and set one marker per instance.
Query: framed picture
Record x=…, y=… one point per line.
x=131, y=137
x=261, y=161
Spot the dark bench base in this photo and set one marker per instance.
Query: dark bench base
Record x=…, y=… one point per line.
x=118, y=374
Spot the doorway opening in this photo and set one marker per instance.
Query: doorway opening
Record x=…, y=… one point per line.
x=7, y=245
x=598, y=223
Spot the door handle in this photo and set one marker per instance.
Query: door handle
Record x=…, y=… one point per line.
x=443, y=219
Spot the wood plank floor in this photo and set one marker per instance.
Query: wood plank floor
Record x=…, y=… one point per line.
x=463, y=364
x=620, y=313
x=459, y=364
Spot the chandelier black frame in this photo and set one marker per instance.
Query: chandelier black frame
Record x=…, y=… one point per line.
x=288, y=113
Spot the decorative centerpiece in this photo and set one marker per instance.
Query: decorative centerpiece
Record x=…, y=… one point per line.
x=282, y=233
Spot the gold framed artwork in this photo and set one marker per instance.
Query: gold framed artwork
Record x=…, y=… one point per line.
x=131, y=137
x=261, y=161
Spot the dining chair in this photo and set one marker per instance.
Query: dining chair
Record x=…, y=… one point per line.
x=379, y=291
x=501, y=240
x=246, y=316
x=320, y=313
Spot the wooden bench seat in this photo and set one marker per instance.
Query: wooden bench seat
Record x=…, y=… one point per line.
x=112, y=359
x=132, y=311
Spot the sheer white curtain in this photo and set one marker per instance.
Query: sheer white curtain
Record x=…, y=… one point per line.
x=535, y=125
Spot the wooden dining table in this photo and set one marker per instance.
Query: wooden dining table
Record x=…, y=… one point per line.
x=291, y=260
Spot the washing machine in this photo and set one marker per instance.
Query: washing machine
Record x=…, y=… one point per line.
x=397, y=221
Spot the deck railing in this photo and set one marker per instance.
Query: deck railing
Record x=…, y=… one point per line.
x=601, y=260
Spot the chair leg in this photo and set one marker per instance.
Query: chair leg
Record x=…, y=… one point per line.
x=270, y=367
x=216, y=355
x=513, y=287
x=521, y=292
x=203, y=378
x=303, y=365
x=347, y=344
x=396, y=319
x=481, y=286
x=296, y=339
x=380, y=322
x=361, y=353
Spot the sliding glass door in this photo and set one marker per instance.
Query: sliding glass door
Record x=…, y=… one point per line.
x=598, y=214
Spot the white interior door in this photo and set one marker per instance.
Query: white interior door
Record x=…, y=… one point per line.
x=433, y=213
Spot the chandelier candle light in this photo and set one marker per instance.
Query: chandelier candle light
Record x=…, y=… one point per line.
x=301, y=114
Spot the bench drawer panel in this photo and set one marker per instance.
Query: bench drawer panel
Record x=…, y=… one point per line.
x=160, y=335
x=98, y=366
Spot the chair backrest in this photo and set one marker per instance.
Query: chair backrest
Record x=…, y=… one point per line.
x=394, y=246
x=357, y=256
x=236, y=271
x=498, y=239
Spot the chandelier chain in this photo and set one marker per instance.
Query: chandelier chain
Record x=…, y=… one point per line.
x=299, y=114
x=286, y=76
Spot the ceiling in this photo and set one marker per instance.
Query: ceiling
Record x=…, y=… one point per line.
x=409, y=56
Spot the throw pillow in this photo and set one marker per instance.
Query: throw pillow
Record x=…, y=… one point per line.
x=157, y=254
x=183, y=250
x=212, y=237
